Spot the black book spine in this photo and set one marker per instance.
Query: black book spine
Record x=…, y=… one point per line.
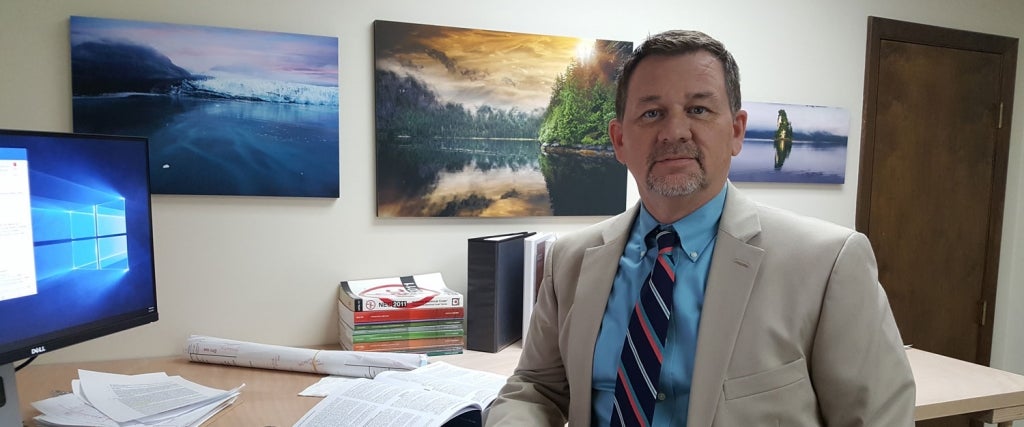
x=494, y=309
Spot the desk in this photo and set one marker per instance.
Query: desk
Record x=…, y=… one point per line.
x=945, y=386
x=270, y=398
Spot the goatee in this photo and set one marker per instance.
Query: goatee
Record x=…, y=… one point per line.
x=677, y=185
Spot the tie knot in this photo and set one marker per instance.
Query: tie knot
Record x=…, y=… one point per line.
x=666, y=236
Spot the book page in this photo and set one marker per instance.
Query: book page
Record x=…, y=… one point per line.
x=427, y=396
x=385, y=404
x=477, y=386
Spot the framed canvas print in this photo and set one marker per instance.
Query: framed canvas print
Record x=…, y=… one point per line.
x=226, y=111
x=793, y=143
x=479, y=123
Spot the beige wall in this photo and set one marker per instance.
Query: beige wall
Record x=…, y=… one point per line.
x=265, y=269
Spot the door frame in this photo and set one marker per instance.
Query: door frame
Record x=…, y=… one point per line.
x=880, y=29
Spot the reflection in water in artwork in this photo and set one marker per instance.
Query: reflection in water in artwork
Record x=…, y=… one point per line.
x=802, y=162
x=227, y=147
x=493, y=178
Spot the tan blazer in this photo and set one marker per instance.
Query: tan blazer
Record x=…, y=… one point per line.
x=795, y=328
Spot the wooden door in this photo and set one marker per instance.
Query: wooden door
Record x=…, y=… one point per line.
x=932, y=179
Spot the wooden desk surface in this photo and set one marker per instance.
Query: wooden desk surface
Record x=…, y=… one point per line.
x=945, y=386
x=261, y=403
x=270, y=398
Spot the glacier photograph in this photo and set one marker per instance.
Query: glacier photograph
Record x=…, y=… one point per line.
x=226, y=111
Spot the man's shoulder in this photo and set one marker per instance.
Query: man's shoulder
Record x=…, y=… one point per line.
x=595, y=234
x=590, y=233
x=744, y=218
x=797, y=228
x=775, y=214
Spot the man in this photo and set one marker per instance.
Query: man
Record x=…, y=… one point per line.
x=776, y=319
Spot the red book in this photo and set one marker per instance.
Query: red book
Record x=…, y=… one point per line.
x=351, y=319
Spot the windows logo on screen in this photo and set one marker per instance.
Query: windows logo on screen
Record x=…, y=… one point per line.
x=81, y=237
x=99, y=240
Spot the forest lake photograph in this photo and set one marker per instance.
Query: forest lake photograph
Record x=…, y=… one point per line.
x=479, y=123
x=226, y=111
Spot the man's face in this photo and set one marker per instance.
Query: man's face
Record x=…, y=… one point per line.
x=677, y=135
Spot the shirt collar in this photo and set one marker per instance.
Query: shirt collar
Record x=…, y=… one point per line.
x=696, y=230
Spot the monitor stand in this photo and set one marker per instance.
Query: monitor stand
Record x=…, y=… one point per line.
x=10, y=411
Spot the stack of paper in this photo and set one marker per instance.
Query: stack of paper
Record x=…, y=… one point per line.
x=101, y=399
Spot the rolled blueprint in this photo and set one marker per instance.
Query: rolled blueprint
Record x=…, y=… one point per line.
x=363, y=364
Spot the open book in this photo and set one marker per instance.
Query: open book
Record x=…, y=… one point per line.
x=434, y=395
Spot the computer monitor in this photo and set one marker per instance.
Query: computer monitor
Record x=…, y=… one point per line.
x=76, y=245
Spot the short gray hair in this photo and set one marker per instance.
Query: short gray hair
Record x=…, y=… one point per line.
x=680, y=42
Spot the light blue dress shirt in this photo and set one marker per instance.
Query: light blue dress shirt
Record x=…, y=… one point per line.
x=697, y=233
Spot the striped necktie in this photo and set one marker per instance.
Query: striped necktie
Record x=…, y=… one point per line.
x=636, y=386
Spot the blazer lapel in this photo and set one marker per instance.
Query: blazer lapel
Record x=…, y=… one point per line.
x=730, y=281
x=597, y=272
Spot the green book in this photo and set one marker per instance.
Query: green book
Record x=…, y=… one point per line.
x=407, y=335
x=401, y=330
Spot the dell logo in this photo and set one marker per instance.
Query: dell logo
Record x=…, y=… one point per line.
x=37, y=350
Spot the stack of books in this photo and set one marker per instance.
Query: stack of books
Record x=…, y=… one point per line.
x=409, y=314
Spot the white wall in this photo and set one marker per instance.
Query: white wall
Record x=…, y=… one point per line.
x=266, y=269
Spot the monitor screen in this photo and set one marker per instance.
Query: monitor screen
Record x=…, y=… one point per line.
x=76, y=241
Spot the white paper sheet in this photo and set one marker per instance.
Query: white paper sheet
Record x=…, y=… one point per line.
x=325, y=386
x=74, y=409
x=133, y=397
x=70, y=410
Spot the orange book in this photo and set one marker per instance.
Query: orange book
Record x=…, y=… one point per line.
x=409, y=344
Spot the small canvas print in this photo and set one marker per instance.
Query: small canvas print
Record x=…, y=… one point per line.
x=227, y=111
x=479, y=123
x=793, y=143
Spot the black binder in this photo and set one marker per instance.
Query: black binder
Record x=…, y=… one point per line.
x=494, y=291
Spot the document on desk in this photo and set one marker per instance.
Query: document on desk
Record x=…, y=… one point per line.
x=363, y=364
x=102, y=399
x=71, y=410
x=145, y=397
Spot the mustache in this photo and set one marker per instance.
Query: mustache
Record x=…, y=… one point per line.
x=675, y=150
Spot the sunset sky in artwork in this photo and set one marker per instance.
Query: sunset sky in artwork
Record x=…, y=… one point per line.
x=476, y=67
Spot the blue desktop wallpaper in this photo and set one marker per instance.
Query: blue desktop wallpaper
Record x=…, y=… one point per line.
x=91, y=226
